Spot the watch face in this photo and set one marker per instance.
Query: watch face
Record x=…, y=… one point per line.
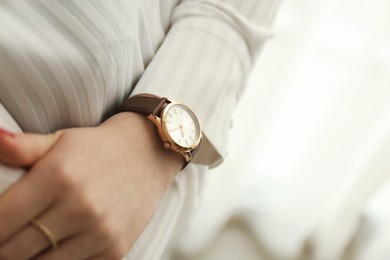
x=182, y=126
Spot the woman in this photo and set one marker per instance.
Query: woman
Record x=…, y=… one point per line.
x=91, y=189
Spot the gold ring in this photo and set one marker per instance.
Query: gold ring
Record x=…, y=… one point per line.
x=46, y=232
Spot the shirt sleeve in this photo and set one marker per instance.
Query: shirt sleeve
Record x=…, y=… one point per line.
x=204, y=62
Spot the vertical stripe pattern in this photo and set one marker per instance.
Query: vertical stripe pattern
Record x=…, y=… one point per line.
x=205, y=60
x=71, y=63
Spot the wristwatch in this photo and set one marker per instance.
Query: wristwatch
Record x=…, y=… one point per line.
x=177, y=125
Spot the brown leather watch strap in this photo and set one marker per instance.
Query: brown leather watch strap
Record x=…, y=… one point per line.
x=193, y=152
x=150, y=105
x=145, y=104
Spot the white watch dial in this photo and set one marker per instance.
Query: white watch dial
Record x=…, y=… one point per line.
x=182, y=126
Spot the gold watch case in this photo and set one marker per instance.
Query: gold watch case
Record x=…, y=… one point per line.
x=169, y=143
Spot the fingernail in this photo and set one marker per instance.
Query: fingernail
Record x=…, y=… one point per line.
x=6, y=133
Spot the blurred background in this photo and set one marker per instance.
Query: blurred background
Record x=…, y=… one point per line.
x=308, y=169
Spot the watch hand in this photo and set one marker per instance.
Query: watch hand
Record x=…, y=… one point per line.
x=181, y=130
x=174, y=129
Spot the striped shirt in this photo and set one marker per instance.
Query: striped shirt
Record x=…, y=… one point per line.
x=71, y=63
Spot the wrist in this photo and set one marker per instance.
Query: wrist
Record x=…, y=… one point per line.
x=137, y=130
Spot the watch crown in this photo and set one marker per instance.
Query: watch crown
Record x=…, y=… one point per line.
x=167, y=145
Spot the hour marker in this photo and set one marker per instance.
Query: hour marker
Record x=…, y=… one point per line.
x=174, y=110
x=192, y=139
x=186, y=142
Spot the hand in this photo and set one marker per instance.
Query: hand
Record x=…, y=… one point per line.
x=94, y=188
x=174, y=129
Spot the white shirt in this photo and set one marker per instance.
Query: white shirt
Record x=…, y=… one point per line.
x=71, y=63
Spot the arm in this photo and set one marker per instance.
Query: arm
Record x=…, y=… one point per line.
x=94, y=188
x=204, y=60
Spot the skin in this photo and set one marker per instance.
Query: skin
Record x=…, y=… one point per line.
x=95, y=188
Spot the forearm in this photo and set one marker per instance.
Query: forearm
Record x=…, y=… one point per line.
x=138, y=131
x=204, y=62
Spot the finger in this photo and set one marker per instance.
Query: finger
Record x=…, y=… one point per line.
x=21, y=202
x=30, y=241
x=77, y=247
x=26, y=148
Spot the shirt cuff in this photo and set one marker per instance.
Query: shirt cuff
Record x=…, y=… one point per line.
x=203, y=63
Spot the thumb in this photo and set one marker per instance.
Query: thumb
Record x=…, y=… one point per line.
x=24, y=149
